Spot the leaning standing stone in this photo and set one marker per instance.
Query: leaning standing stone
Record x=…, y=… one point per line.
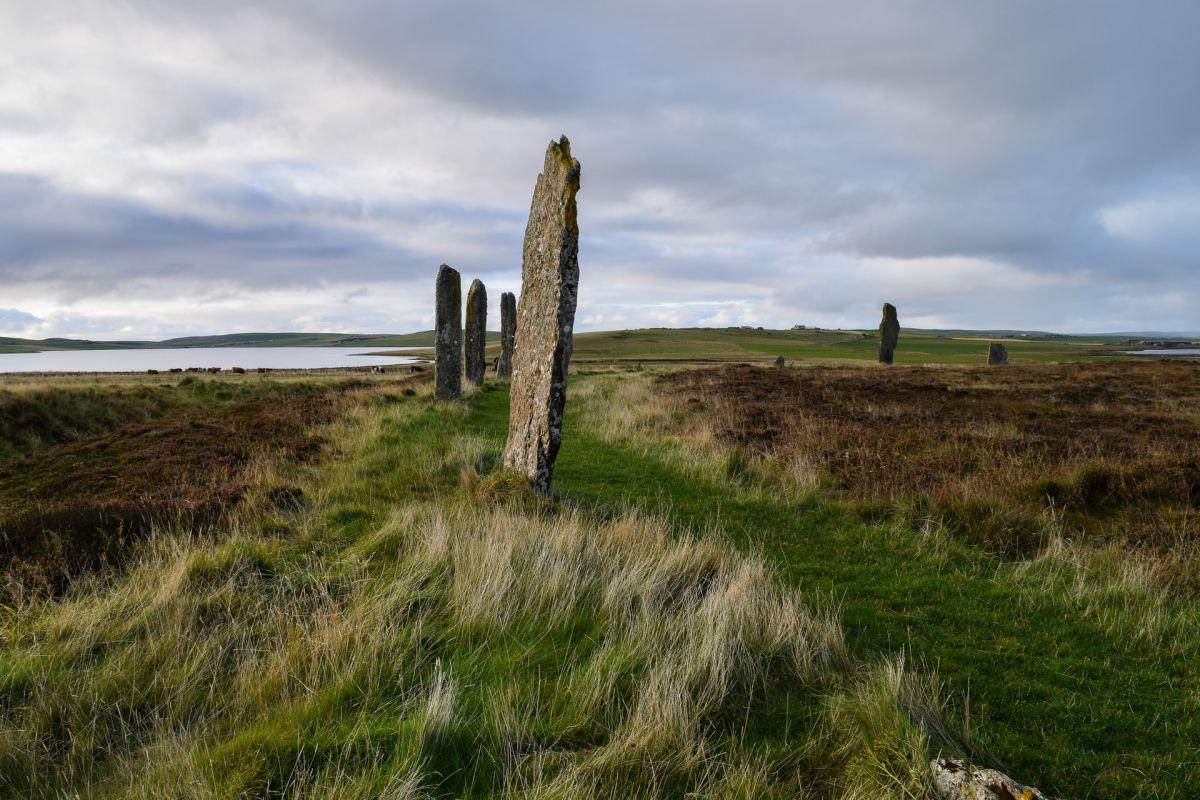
x=447, y=335
x=889, y=334
x=542, y=351
x=997, y=354
x=508, y=333
x=476, y=331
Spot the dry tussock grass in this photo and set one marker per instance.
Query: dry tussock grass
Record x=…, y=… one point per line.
x=452, y=647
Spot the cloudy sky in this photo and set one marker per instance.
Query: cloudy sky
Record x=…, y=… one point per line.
x=178, y=168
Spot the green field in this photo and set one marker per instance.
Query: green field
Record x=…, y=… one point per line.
x=739, y=344
x=373, y=608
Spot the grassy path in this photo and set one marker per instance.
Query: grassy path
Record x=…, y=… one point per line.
x=1055, y=698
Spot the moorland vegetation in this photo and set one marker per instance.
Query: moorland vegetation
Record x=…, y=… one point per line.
x=751, y=582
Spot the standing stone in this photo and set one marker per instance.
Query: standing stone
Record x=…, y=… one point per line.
x=508, y=333
x=447, y=335
x=997, y=354
x=780, y=361
x=476, y=331
x=542, y=348
x=889, y=334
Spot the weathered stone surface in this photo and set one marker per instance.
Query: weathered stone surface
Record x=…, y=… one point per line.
x=889, y=334
x=447, y=335
x=508, y=333
x=545, y=321
x=780, y=361
x=956, y=779
x=476, y=334
x=997, y=354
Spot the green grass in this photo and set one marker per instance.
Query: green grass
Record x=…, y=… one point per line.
x=1062, y=691
x=738, y=344
x=417, y=627
x=408, y=632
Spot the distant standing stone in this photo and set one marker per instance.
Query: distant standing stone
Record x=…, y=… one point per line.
x=447, y=335
x=997, y=354
x=889, y=334
x=543, y=342
x=476, y=338
x=780, y=361
x=508, y=333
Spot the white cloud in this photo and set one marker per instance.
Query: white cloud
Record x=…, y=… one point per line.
x=1158, y=219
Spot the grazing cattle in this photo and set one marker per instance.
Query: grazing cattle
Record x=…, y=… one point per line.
x=377, y=370
x=262, y=370
x=176, y=369
x=239, y=371
x=151, y=372
x=213, y=370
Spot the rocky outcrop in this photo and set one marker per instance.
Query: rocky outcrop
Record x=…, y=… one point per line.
x=545, y=320
x=508, y=333
x=889, y=334
x=997, y=354
x=447, y=335
x=476, y=338
x=956, y=779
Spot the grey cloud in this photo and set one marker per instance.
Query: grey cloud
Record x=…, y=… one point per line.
x=757, y=150
x=96, y=244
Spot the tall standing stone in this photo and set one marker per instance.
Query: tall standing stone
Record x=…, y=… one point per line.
x=997, y=354
x=447, y=335
x=476, y=331
x=889, y=334
x=545, y=321
x=508, y=333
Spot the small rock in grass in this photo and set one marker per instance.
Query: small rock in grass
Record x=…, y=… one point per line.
x=957, y=779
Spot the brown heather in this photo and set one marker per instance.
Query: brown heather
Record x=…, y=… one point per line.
x=70, y=508
x=1102, y=453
